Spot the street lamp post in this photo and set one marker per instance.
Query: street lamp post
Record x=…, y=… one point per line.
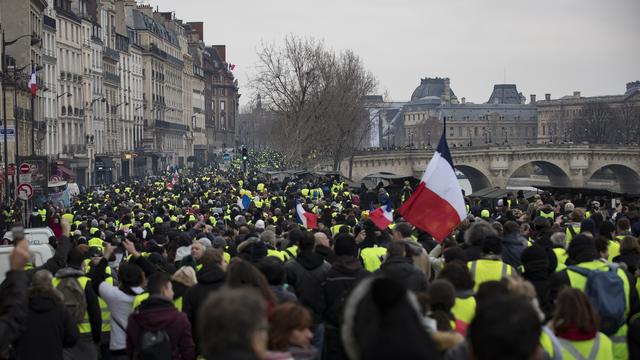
x=469, y=133
x=429, y=139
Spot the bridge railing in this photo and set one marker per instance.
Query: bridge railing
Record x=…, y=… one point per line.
x=429, y=149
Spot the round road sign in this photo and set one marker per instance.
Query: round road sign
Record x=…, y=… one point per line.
x=25, y=168
x=25, y=191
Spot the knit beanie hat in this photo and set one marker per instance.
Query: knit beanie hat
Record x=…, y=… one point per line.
x=442, y=295
x=345, y=245
x=492, y=245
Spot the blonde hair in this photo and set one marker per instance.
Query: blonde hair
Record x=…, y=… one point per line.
x=185, y=276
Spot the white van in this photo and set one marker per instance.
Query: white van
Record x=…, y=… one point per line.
x=38, y=239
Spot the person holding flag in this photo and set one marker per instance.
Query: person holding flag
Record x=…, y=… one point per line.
x=437, y=205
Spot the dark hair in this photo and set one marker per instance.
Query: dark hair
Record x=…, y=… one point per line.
x=228, y=319
x=606, y=228
x=623, y=224
x=442, y=297
x=295, y=236
x=404, y=229
x=77, y=255
x=573, y=310
x=602, y=243
x=212, y=256
x=504, y=328
x=511, y=227
x=130, y=275
x=273, y=270
x=283, y=319
x=307, y=241
x=491, y=290
x=242, y=273
x=157, y=281
x=396, y=248
x=454, y=254
x=457, y=273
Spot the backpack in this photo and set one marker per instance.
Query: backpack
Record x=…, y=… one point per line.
x=605, y=290
x=74, y=298
x=155, y=345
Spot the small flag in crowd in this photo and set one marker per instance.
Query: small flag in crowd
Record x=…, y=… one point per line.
x=244, y=201
x=382, y=216
x=307, y=219
x=437, y=204
x=32, y=81
x=231, y=67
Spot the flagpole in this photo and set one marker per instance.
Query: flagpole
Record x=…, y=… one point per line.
x=33, y=112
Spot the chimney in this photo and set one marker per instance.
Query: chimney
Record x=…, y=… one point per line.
x=222, y=51
x=146, y=9
x=463, y=100
x=198, y=26
x=576, y=94
x=547, y=97
x=533, y=99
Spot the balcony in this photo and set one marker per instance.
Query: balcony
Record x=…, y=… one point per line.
x=112, y=78
x=49, y=21
x=111, y=54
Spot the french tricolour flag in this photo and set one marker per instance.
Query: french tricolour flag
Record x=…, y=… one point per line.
x=437, y=205
x=307, y=219
x=32, y=81
x=382, y=216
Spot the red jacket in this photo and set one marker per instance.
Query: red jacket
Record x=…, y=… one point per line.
x=159, y=313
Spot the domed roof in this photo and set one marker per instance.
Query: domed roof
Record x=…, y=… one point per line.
x=435, y=87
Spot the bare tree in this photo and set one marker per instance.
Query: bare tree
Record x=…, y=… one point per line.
x=595, y=125
x=317, y=97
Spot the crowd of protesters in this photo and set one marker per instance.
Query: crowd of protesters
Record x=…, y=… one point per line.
x=183, y=267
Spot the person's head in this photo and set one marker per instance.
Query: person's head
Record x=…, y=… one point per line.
x=242, y=273
x=345, y=245
x=307, y=241
x=268, y=237
x=273, y=270
x=77, y=255
x=623, y=225
x=558, y=239
x=629, y=244
x=197, y=250
x=607, y=229
x=233, y=320
x=289, y=325
x=41, y=285
x=457, y=273
x=573, y=311
x=442, y=297
x=476, y=234
x=380, y=318
x=602, y=246
x=577, y=215
x=511, y=227
x=582, y=249
x=321, y=239
x=130, y=275
x=492, y=246
x=402, y=230
x=505, y=327
x=186, y=276
x=214, y=257
x=159, y=284
x=396, y=249
x=454, y=254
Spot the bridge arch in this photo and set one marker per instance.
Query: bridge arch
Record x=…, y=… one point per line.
x=556, y=175
x=478, y=179
x=628, y=178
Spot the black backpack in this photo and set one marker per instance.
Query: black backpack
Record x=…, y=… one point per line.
x=154, y=345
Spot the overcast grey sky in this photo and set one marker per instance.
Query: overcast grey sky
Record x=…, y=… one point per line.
x=544, y=46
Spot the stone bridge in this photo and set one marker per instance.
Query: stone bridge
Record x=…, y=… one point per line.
x=493, y=166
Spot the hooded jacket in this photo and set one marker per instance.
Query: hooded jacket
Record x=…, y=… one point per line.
x=46, y=342
x=306, y=273
x=400, y=269
x=210, y=278
x=512, y=247
x=342, y=277
x=158, y=313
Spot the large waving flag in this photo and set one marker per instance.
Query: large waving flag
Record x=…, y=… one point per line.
x=437, y=204
x=308, y=219
x=382, y=216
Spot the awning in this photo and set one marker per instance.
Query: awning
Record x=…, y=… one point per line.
x=65, y=171
x=104, y=162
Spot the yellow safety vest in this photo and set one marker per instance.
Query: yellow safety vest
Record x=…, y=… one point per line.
x=96, y=242
x=85, y=326
x=484, y=270
x=561, y=256
x=579, y=282
x=293, y=250
x=464, y=309
x=372, y=257
x=138, y=299
x=68, y=216
x=546, y=215
x=569, y=235
x=178, y=303
x=599, y=348
x=104, y=309
x=613, y=249
x=276, y=253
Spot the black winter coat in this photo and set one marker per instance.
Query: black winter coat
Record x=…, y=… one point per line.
x=49, y=329
x=306, y=273
x=345, y=273
x=210, y=278
x=632, y=259
x=400, y=269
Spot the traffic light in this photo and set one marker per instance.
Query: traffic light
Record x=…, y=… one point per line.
x=244, y=154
